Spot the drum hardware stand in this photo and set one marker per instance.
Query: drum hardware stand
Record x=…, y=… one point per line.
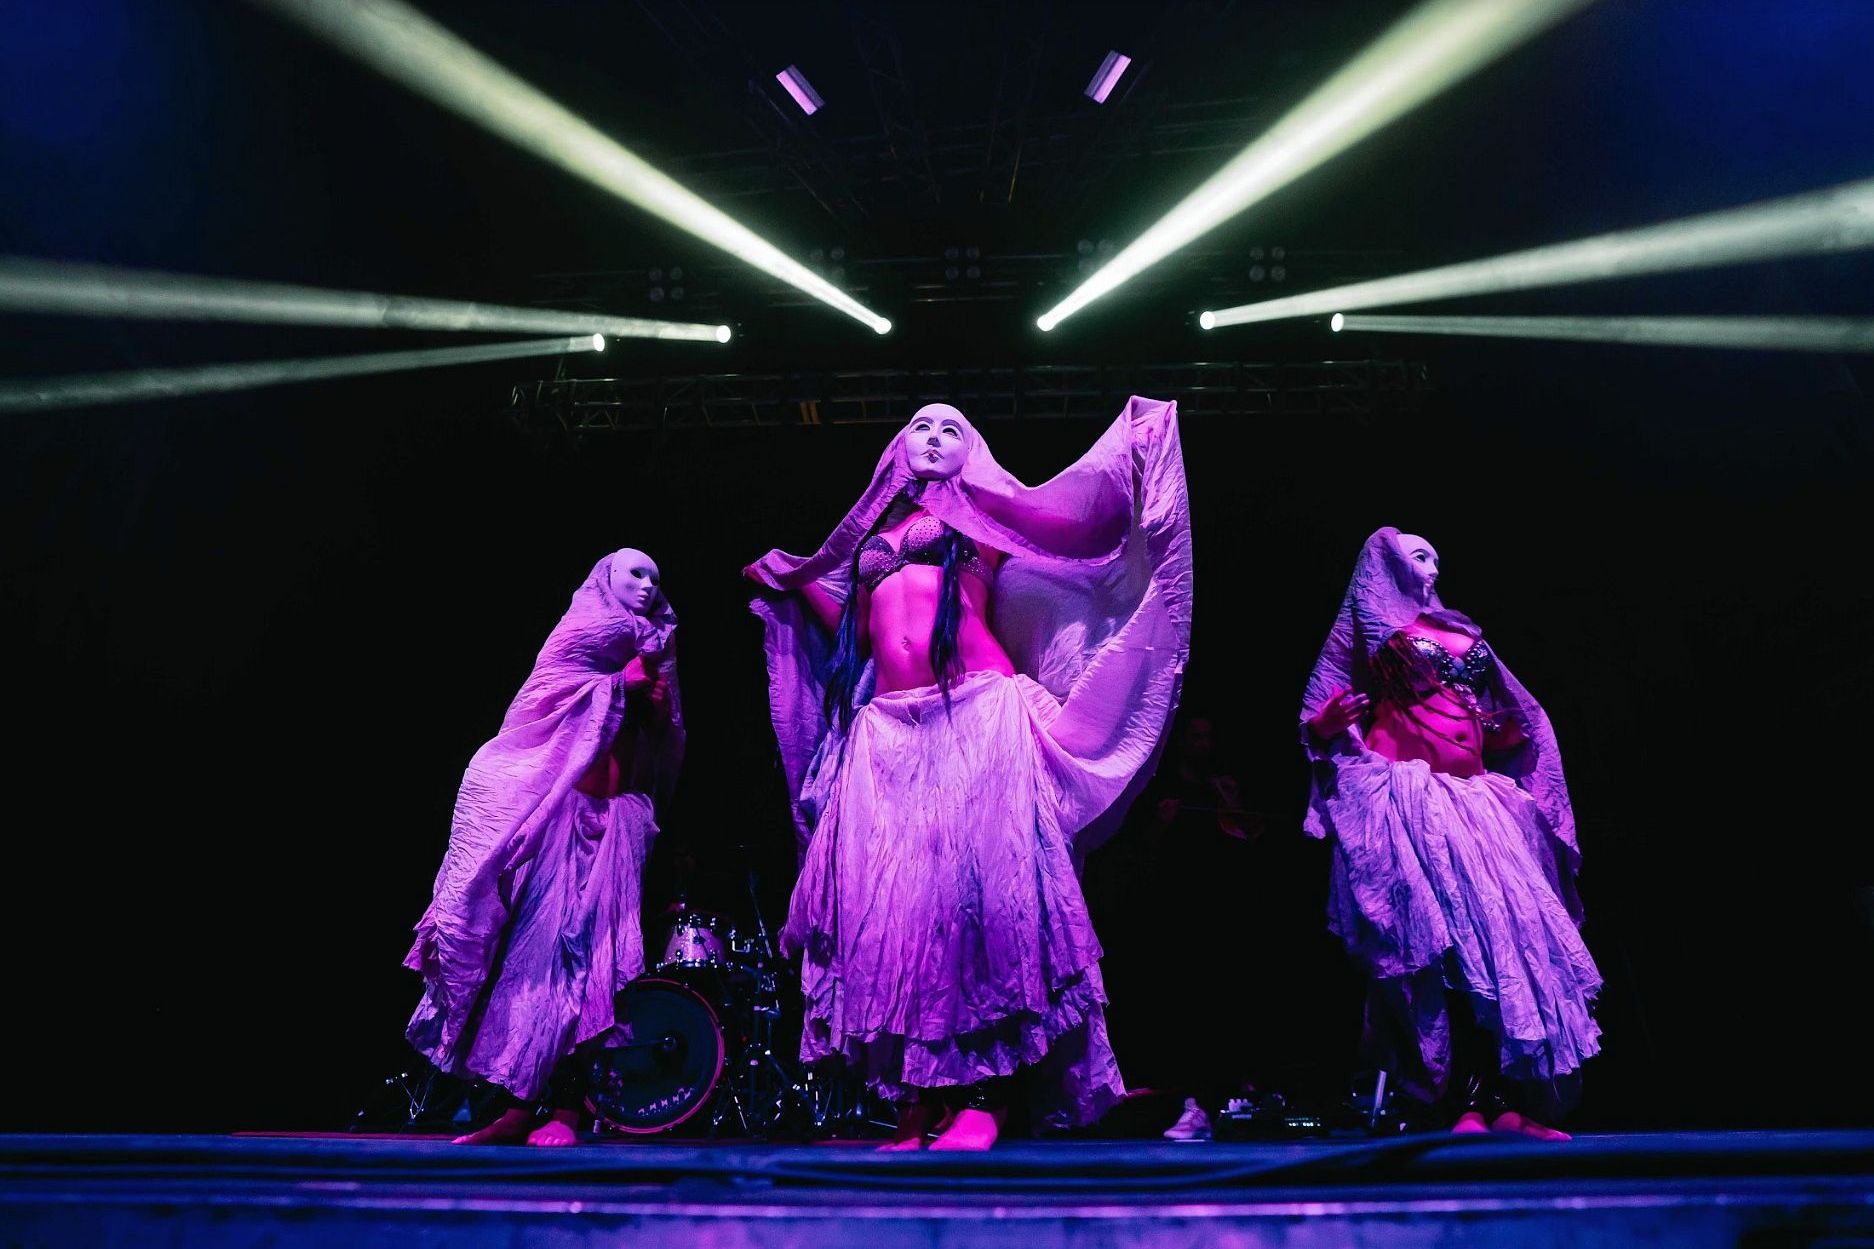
x=416, y=1094
x=763, y=1089
x=412, y=1091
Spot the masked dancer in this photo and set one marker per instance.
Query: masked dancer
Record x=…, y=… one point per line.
x=534, y=925
x=1437, y=778
x=969, y=681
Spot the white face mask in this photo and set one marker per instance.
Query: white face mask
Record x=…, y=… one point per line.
x=934, y=443
x=635, y=580
x=1422, y=558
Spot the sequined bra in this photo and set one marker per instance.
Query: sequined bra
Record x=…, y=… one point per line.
x=1470, y=671
x=1402, y=668
x=921, y=543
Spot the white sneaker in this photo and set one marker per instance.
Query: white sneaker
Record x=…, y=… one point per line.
x=1192, y=1125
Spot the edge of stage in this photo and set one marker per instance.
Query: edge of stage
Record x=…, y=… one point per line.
x=1766, y=1189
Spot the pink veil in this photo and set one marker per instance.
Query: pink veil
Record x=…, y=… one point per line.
x=569, y=711
x=1380, y=601
x=1093, y=601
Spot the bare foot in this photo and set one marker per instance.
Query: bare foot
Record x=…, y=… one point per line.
x=914, y=1119
x=1510, y=1121
x=562, y=1128
x=509, y=1128
x=973, y=1129
x=1470, y=1123
x=902, y=1144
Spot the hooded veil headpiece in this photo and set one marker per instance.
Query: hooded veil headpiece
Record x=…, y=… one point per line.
x=1382, y=599
x=1092, y=601
x=570, y=710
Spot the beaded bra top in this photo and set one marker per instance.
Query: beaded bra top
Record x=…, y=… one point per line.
x=922, y=543
x=1469, y=671
x=1407, y=659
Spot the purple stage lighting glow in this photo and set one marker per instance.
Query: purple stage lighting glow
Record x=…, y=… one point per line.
x=802, y=90
x=1106, y=77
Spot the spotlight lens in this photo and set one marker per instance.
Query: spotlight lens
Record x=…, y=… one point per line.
x=598, y=342
x=1207, y=320
x=883, y=326
x=1337, y=322
x=1046, y=324
x=722, y=333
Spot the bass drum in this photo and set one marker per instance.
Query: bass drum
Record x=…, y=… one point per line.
x=661, y=1062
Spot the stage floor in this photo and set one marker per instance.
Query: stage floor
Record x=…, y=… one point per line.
x=1763, y=1190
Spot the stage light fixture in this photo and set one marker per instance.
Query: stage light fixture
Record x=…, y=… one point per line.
x=1828, y=334
x=1838, y=219
x=408, y=47
x=1432, y=47
x=797, y=86
x=60, y=288
x=1107, y=76
x=94, y=389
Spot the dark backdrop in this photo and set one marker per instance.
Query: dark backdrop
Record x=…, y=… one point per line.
x=249, y=658
x=250, y=642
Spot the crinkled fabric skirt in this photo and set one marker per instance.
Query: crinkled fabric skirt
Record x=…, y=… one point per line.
x=573, y=940
x=1445, y=882
x=945, y=934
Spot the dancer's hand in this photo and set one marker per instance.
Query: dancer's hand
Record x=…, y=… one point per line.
x=1338, y=714
x=660, y=695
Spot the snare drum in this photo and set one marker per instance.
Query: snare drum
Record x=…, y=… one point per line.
x=695, y=942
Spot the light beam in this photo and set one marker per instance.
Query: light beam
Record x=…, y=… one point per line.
x=60, y=288
x=135, y=385
x=408, y=47
x=1437, y=44
x=1839, y=219
x=1830, y=334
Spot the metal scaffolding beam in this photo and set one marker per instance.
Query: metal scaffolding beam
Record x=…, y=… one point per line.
x=1203, y=389
x=1059, y=150
x=902, y=141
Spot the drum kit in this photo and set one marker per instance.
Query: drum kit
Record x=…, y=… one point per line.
x=695, y=1045
x=693, y=1052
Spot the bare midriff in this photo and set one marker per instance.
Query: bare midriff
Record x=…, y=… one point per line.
x=1398, y=736
x=900, y=614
